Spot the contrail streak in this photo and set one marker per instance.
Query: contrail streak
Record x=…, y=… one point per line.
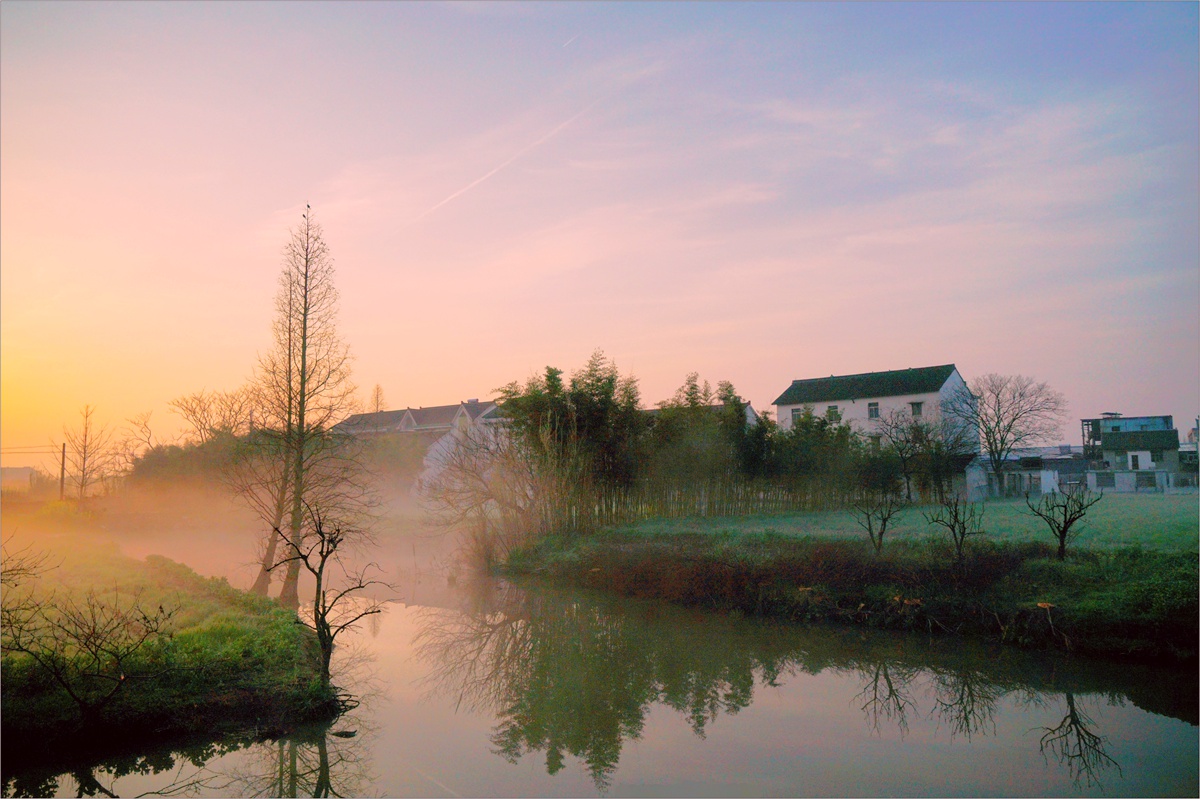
x=519, y=153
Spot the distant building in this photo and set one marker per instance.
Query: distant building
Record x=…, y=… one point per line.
x=434, y=419
x=863, y=399
x=18, y=479
x=1094, y=429
x=749, y=412
x=437, y=430
x=1137, y=453
x=1032, y=470
x=1134, y=451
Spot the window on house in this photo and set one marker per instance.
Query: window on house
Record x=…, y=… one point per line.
x=796, y=414
x=872, y=410
x=875, y=441
x=831, y=413
x=1134, y=462
x=917, y=407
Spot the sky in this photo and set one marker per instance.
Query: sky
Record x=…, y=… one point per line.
x=755, y=192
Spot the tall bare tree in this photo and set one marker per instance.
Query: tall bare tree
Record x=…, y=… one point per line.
x=304, y=385
x=378, y=402
x=89, y=451
x=1008, y=411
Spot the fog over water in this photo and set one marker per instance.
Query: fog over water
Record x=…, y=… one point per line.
x=488, y=688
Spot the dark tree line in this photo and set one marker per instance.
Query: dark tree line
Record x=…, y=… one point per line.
x=701, y=436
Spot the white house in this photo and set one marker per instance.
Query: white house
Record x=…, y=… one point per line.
x=440, y=427
x=862, y=399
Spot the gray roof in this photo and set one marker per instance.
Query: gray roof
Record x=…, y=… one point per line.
x=360, y=423
x=924, y=380
x=435, y=417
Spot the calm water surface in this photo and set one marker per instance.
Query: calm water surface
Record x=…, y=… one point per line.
x=494, y=690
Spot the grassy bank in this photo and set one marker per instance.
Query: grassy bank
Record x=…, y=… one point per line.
x=1153, y=521
x=1123, y=602
x=229, y=662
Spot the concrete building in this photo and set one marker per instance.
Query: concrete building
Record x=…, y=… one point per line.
x=1130, y=454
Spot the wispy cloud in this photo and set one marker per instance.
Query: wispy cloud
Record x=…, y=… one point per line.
x=523, y=151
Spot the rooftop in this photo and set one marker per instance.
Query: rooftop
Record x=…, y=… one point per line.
x=923, y=380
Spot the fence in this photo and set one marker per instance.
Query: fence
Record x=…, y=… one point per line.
x=728, y=497
x=1140, y=482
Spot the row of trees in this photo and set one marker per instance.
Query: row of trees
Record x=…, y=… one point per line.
x=579, y=451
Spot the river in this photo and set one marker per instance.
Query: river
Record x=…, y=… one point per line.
x=491, y=689
x=485, y=688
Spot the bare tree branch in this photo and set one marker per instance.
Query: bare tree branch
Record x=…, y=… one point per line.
x=1007, y=411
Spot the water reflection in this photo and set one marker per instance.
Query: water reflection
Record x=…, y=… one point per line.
x=1076, y=744
x=571, y=674
x=332, y=761
x=329, y=760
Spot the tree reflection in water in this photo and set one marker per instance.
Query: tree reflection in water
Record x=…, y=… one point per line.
x=322, y=760
x=566, y=674
x=1076, y=745
x=331, y=761
x=318, y=761
x=886, y=695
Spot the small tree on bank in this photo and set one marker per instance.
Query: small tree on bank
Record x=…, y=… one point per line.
x=880, y=498
x=1063, y=510
x=961, y=520
x=336, y=604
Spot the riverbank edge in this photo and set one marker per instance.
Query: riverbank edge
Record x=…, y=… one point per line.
x=241, y=666
x=35, y=735
x=1127, y=604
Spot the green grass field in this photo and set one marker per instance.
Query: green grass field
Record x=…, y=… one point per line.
x=1168, y=523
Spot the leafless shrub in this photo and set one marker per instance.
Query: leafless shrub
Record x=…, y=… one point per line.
x=1063, y=510
x=87, y=645
x=874, y=512
x=961, y=520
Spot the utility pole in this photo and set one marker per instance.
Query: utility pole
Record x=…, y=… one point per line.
x=62, y=475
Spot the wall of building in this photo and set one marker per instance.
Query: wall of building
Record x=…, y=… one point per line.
x=1119, y=460
x=855, y=412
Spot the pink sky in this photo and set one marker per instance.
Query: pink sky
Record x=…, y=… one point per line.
x=755, y=192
